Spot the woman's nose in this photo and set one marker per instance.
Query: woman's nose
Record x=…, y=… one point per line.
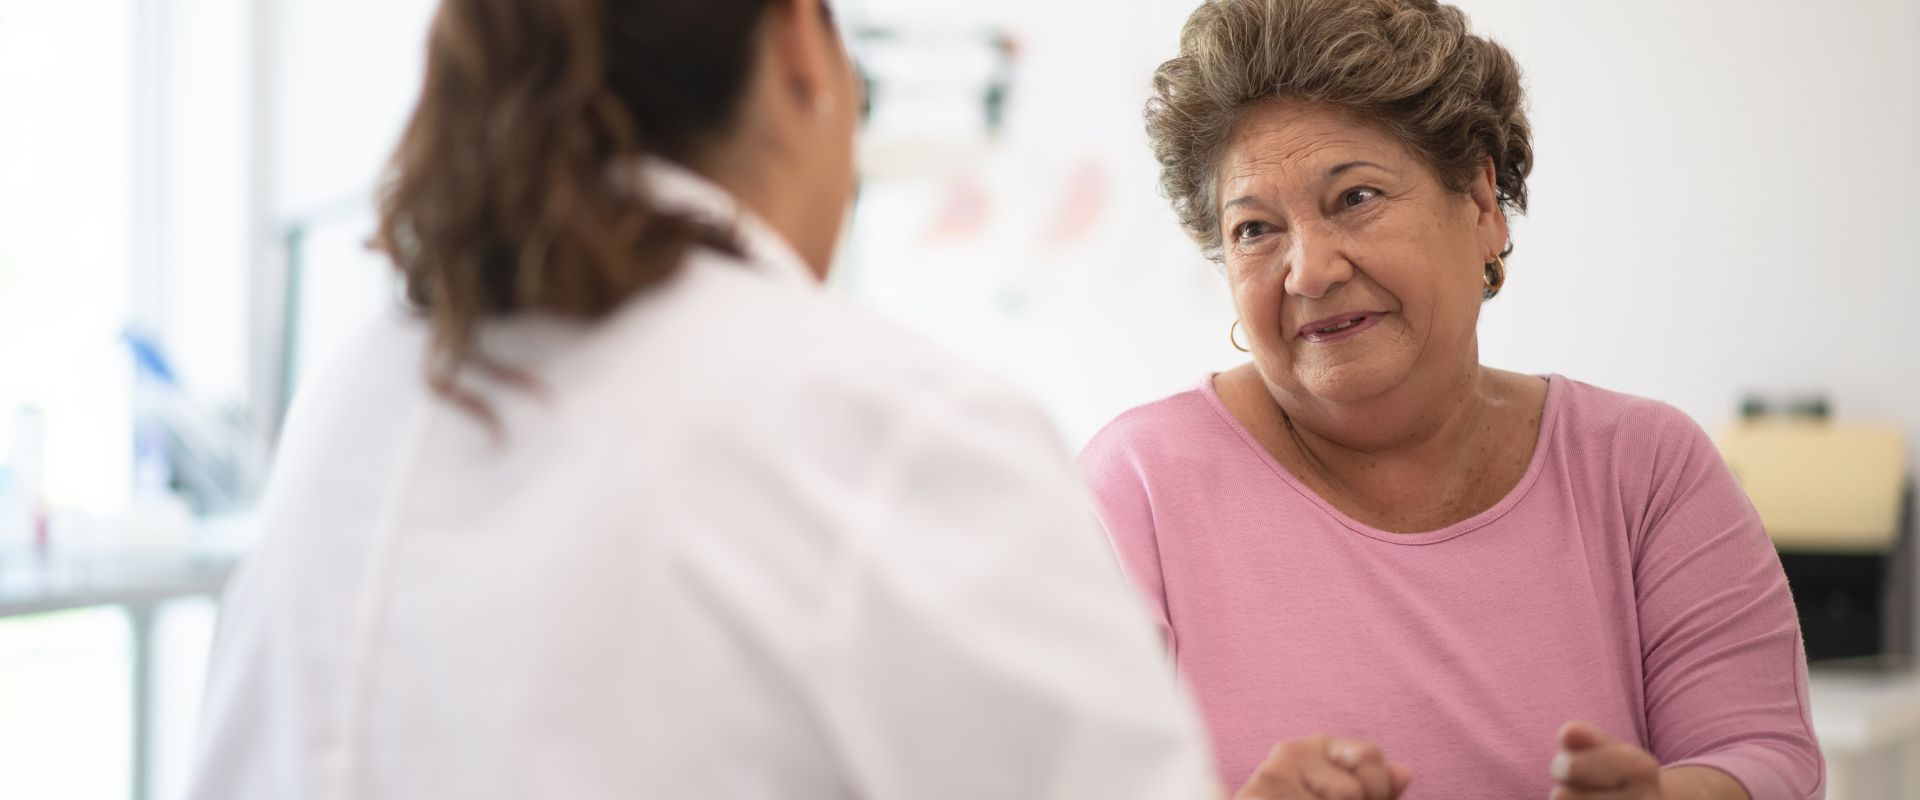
x=1315, y=263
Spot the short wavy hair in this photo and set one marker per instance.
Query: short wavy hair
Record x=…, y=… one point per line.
x=1411, y=66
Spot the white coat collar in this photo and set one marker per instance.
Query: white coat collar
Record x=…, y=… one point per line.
x=676, y=189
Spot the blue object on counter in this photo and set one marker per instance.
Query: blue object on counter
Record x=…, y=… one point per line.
x=146, y=353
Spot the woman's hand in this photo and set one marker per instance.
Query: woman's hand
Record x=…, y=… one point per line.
x=1595, y=766
x=1326, y=768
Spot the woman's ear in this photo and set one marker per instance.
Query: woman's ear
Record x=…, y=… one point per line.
x=803, y=48
x=1489, y=219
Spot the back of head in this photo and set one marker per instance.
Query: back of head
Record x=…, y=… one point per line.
x=501, y=197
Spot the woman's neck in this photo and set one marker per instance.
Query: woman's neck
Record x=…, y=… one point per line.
x=765, y=186
x=1413, y=459
x=1422, y=423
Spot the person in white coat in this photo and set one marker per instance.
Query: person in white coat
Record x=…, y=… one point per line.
x=624, y=506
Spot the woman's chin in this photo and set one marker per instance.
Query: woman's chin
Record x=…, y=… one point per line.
x=1351, y=381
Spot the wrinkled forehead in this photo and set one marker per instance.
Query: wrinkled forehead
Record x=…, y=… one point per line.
x=1295, y=144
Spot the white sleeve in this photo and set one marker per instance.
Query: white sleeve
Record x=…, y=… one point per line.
x=981, y=642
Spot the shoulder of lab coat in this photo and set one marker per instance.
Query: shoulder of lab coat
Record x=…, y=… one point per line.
x=976, y=638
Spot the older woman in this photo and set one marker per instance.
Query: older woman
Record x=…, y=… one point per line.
x=1364, y=531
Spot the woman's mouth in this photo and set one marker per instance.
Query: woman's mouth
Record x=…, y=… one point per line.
x=1339, y=328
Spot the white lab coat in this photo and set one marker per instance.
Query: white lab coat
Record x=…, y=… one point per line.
x=744, y=541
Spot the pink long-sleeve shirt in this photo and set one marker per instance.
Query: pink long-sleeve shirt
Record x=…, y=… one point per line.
x=1626, y=580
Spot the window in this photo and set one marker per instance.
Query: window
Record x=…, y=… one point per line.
x=67, y=237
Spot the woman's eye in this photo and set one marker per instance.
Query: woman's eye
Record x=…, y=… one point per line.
x=1355, y=197
x=1249, y=230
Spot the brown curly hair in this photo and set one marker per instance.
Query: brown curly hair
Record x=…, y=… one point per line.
x=501, y=199
x=1411, y=66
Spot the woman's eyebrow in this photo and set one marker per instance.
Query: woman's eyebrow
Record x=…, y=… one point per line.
x=1247, y=199
x=1339, y=168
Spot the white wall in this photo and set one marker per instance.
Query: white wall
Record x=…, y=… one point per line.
x=202, y=207
x=67, y=139
x=343, y=78
x=1724, y=200
x=1078, y=283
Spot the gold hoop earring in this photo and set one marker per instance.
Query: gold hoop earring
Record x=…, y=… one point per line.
x=1233, y=338
x=1495, y=276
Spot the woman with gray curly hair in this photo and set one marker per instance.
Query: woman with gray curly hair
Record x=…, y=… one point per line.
x=1514, y=585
